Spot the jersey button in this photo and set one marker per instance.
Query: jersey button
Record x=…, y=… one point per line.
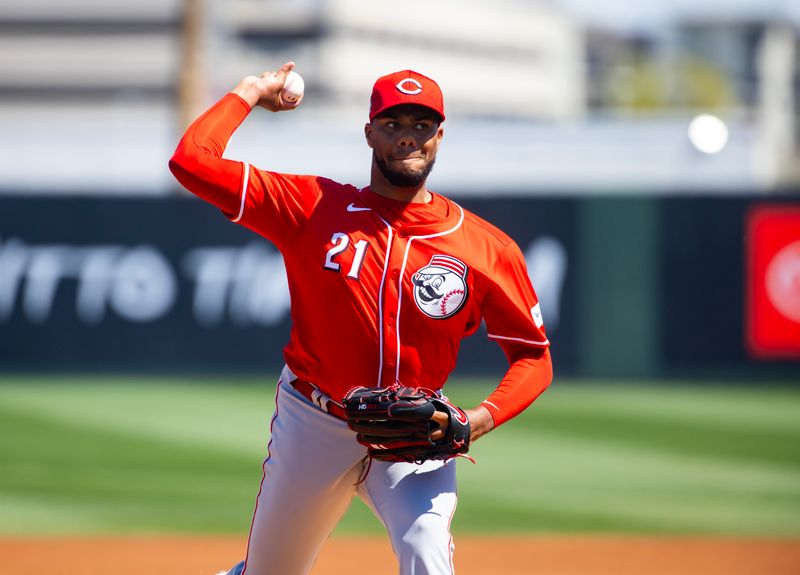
x=395, y=273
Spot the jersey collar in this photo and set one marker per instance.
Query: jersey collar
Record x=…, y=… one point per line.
x=415, y=219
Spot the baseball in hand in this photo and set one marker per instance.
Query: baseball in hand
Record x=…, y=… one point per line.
x=293, y=88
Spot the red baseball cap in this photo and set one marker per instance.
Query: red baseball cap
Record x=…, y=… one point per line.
x=405, y=87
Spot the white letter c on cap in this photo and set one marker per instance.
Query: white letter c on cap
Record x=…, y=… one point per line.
x=412, y=92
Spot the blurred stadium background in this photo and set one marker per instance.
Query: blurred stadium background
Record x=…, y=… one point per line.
x=644, y=155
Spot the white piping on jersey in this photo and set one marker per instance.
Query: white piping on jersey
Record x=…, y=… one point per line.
x=380, y=298
x=402, y=273
x=245, y=180
x=532, y=342
x=487, y=402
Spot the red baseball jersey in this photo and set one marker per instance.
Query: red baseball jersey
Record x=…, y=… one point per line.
x=382, y=291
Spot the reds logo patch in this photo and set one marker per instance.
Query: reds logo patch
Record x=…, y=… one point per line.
x=440, y=288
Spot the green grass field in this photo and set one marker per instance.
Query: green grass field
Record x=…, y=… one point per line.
x=162, y=455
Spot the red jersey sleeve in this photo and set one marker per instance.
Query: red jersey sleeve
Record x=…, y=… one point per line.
x=514, y=319
x=276, y=205
x=511, y=308
x=271, y=204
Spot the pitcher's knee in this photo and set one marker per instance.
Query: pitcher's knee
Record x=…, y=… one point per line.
x=426, y=547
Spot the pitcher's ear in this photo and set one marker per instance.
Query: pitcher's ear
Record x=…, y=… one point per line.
x=368, y=133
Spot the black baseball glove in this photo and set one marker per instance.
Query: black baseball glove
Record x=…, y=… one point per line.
x=395, y=423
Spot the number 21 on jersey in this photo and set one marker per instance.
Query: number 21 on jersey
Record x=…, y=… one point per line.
x=340, y=243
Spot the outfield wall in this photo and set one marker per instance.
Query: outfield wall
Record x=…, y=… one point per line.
x=630, y=286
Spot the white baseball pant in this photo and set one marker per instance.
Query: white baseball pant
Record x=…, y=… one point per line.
x=311, y=475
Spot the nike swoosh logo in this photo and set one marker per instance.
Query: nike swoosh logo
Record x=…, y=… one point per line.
x=353, y=208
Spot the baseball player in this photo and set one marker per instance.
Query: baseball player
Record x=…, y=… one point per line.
x=385, y=281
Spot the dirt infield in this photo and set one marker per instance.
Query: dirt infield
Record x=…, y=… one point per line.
x=516, y=555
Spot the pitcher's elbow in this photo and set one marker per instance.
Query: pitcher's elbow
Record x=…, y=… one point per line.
x=177, y=163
